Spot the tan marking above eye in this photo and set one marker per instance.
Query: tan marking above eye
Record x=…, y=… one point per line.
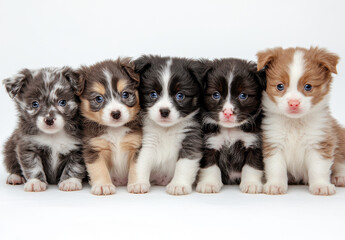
x=121, y=85
x=98, y=87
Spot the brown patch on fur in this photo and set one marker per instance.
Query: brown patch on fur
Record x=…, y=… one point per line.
x=86, y=112
x=267, y=148
x=339, y=156
x=121, y=85
x=98, y=88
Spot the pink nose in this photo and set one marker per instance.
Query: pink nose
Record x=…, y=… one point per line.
x=294, y=103
x=227, y=113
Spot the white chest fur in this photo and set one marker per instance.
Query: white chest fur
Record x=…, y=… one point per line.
x=229, y=136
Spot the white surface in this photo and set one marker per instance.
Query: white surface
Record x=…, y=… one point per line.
x=41, y=33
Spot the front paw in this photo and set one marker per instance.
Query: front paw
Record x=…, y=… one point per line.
x=15, y=179
x=138, y=188
x=275, y=188
x=206, y=187
x=322, y=189
x=338, y=181
x=71, y=184
x=251, y=187
x=105, y=189
x=178, y=189
x=35, y=185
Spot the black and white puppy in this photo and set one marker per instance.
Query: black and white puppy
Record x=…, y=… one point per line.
x=170, y=96
x=231, y=124
x=46, y=146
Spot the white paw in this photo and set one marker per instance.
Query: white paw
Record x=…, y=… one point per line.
x=15, y=179
x=251, y=187
x=71, y=184
x=205, y=187
x=338, y=181
x=138, y=188
x=35, y=185
x=322, y=189
x=275, y=188
x=106, y=189
x=178, y=189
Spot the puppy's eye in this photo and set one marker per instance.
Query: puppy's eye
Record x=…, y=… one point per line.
x=179, y=96
x=243, y=96
x=62, y=103
x=280, y=87
x=216, y=95
x=99, y=99
x=308, y=87
x=125, y=95
x=153, y=95
x=35, y=104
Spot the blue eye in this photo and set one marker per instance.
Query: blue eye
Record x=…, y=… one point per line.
x=99, y=99
x=35, y=104
x=308, y=87
x=62, y=103
x=153, y=95
x=179, y=96
x=216, y=95
x=125, y=95
x=243, y=96
x=280, y=87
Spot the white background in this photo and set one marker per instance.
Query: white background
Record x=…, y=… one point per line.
x=35, y=34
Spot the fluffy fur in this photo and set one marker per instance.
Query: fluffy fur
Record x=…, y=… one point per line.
x=302, y=142
x=232, y=127
x=170, y=96
x=46, y=146
x=112, y=134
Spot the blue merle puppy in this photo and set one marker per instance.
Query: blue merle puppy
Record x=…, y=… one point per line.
x=46, y=146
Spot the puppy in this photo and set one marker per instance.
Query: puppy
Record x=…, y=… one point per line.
x=301, y=141
x=112, y=135
x=170, y=96
x=46, y=147
x=232, y=127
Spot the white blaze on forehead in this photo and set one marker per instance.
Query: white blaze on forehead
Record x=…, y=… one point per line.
x=108, y=76
x=165, y=76
x=227, y=104
x=296, y=71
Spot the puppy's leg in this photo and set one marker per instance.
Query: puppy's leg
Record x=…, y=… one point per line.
x=338, y=168
x=97, y=157
x=140, y=170
x=319, y=173
x=73, y=173
x=276, y=174
x=12, y=163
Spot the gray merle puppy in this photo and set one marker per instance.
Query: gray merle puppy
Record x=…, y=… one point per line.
x=46, y=146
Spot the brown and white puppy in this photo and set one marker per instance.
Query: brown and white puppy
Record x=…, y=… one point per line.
x=112, y=136
x=302, y=143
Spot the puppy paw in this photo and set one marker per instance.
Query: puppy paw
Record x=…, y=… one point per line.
x=178, y=189
x=251, y=187
x=35, y=185
x=275, y=189
x=106, y=189
x=71, y=184
x=15, y=179
x=322, y=189
x=338, y=181
x=205, y=187
x=138, y=188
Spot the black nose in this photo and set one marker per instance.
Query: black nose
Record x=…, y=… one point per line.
x=164, y=112
x=116, y=115
x=49, y=121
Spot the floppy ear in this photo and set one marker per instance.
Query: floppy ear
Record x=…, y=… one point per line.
x=265, y=58
x=142, y=63
x=78, y=78
x=325, y=59
x=72, y=77
x=15, y=83
x=199, y=69
x=128, y=66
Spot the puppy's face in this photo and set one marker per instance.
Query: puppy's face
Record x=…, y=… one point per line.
x=108, y=92
x=233, y=92
x=45, y=98
x=298, y=79
x=170, y=88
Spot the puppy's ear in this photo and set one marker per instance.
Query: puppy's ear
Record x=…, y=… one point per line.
x=142, y=64
x=80, y=79
x=128, y=66
x=16, y=83
x=267, y=57
x=325, y=59
x=200, y=69
x=72, y=77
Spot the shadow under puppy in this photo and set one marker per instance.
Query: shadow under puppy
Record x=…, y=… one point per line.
x=112, y=134
x=46, y=147
x=170, y=97
x=232, y=127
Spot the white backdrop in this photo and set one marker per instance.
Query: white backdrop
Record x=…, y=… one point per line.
x=35, y=34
